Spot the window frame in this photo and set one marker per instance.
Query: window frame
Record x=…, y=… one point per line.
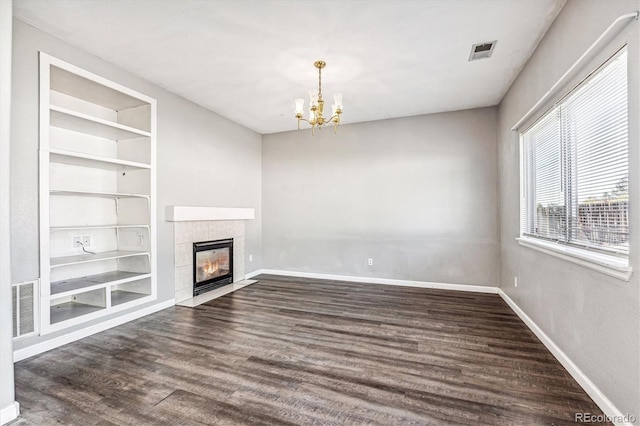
x=612, y=264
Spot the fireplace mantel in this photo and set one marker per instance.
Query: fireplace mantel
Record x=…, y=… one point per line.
x=192, y=213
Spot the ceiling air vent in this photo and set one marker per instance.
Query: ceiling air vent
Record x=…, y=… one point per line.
x=482, y=50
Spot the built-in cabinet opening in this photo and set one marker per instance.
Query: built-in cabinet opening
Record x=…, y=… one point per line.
x=78, y=304
x=130, y=291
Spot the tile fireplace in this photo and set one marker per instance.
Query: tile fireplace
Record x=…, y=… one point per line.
x=193, y=229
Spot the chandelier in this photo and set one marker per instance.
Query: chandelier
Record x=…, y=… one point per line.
x=316, y=107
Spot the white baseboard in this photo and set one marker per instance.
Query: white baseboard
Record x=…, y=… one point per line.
x=385, y=281
x=589, y=387
x=38, y=348
x=10, y=412
x=253, y=274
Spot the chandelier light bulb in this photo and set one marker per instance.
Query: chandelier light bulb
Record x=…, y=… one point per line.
x=299, y=107
x=313, y=97
x=337, y=98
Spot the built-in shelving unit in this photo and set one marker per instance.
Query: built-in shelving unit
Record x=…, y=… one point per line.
x=97, y=189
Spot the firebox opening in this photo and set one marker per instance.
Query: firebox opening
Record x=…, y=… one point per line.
x=212, y=265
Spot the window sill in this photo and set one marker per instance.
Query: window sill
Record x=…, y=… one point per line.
x=606, y=264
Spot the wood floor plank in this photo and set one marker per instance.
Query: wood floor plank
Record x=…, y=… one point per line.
x=291, y=351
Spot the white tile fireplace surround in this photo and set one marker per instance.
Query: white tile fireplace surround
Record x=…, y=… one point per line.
x=196, y=224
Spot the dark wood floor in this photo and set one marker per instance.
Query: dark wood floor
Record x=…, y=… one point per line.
x=299, y=351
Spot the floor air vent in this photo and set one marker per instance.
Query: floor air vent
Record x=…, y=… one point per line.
x=24, y=308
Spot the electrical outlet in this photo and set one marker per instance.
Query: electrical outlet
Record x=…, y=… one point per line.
x=86, y=240
x=140, y=239
x=250, y=258
x=76, y=242
x=370, y=261
x=515, y=281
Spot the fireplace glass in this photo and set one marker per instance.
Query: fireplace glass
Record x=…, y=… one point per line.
x=212, y=265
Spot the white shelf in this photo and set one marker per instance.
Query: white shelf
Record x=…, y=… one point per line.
x=66, y=287
x=88, y=160
x=86, y=258
x=89, y=227
x=83, y=123
x=96, y=194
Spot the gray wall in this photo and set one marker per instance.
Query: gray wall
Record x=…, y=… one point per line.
x=6, y=308
x=593, y=318
x=416, y=194
x=192, y=144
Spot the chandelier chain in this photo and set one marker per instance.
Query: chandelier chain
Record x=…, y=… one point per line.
x=320, y=83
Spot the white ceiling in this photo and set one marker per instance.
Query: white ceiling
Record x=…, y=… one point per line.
x=248, y=60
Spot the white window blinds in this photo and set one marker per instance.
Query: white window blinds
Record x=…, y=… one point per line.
x=575, y=166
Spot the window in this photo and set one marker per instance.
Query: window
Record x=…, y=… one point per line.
x=575, y=167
